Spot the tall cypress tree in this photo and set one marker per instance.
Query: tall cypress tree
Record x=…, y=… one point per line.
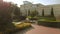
x=42, y=12
x=52, y=13
x=28, y=12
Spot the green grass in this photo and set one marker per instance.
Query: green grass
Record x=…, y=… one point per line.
x=49, y=22
x=47, y=18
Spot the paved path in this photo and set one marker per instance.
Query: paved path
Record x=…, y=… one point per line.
x=40, y=30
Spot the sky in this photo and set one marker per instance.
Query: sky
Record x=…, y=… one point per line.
x=44, y=2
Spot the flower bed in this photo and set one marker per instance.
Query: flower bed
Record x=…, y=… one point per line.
x=22, y=25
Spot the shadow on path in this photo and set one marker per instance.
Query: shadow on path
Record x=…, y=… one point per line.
x=36, y=29
x=24, y=31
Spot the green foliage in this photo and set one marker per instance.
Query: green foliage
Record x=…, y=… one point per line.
x=47, y=18
x=28, y=12
x=17, y=13
x=6, y=19
x=53, y=24
x=34, y=13
x=42, y=12
x=52, y=13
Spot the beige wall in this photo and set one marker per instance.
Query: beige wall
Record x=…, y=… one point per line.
x=47, y=10
x=39, y=9
x=31, y=7
x=25, y=8
x=57, y=11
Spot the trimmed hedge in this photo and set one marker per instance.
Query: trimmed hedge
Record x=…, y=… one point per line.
x=54, y=24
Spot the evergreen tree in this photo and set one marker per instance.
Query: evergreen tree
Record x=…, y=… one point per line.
x=16, y=13
x=42, y=12
x=28, y=12
x=34, y=13
x=52, y=13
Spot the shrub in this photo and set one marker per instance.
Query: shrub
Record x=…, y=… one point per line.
x=50, y=23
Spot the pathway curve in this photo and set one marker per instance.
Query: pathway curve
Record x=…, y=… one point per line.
x=40, y=30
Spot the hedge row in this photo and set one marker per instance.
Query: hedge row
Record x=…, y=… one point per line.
x=49, y=24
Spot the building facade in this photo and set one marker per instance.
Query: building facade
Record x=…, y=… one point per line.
x=56, y=10
x=27, y=6
x=39, y=7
